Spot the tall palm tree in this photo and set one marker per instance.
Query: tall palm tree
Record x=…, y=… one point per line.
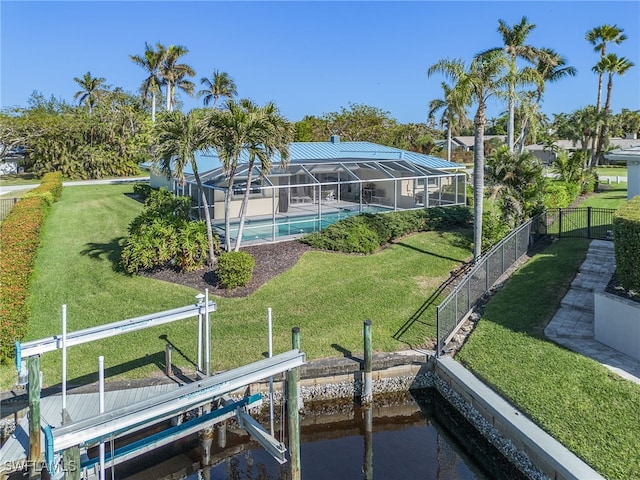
x=242, y=128
x=220, y=85
x=483, y=79
x=179, y=136
x=91, y=89
x=150, y=60
x=514, y=47
x=612, y=65
x=454, y=112
x=174, y=74
x=551, y=67
x=599, y=37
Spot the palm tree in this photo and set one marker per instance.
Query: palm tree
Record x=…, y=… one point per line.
x=483, y=79
x=514, y=48
x=91, y=89
x=179, y=136
x=551, y=67
x=613, y=65
x=173, y=73
x=244, y=128
x=150, y=60
x=221, y=85
x=599, y=37
x=454, y=112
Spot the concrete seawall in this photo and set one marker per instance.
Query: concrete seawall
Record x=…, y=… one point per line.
x=532, y=450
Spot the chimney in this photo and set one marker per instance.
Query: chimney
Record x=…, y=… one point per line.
x=631, y=136
x=335, y=138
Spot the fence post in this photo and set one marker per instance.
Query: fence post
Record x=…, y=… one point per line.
x=559, y=222
x=438, y=341
x=589, y=223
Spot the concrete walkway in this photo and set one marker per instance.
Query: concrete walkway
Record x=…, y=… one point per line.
x=572, y=325
x=13, y=188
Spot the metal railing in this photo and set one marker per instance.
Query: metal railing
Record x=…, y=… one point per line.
x=576, y=222
x=6, y=204
x=585, y=222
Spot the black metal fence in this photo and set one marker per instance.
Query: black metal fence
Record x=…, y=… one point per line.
x=589, y=222
x=6, y=204
x=585, y=222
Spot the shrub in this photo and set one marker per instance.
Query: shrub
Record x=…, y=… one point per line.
x=366, y=233
x=557, y=195
x=626, y=234
x=163, y=236
x=142, y=190
x=494, y=229
x=20, y=237
x=235, y=269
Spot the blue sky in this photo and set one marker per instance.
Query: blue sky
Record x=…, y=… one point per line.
x=310, y=58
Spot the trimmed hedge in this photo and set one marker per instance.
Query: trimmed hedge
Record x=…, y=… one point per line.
x=626, y=234
x=235, y=269
x=367, y=232
x=20, y=238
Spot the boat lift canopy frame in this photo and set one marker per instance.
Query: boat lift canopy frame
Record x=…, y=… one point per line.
x=38, y=347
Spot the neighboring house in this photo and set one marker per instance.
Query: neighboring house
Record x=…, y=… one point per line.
x=631, y=156
x=324, y=181
x=465, y=142
x=548, y=156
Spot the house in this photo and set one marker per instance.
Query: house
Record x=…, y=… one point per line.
x=323, y=182
x=547, y=156
x=631, y=156
x=466, y=142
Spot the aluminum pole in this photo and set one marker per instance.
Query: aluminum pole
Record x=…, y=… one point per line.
x=64, y=362
x=207, y=333
x=271, y=414
x=101, y=406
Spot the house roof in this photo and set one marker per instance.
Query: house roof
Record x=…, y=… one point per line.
x=631, y=153
x=311, y=152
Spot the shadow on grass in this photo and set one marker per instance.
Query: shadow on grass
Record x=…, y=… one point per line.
x=407, y=330
x=459, y=240
x=347, y=353
x=111, y=252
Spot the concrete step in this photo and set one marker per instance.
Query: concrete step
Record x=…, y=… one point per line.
x=570, y=323
x=589, y=282
x=578, y=300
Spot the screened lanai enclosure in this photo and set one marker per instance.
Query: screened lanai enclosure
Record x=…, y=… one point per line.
x=311, y=193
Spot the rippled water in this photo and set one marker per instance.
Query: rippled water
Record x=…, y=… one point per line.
x=404, y=439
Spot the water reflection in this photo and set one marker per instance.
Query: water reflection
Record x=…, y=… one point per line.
x=403, y=439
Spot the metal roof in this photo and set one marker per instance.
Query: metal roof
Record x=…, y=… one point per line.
x=330, y=152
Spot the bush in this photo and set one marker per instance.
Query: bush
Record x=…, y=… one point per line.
x=366, y=233
x=20, y=237
x=626, y=234
x=494, y=229
x=235, y=269
x=557, y=195
x=163, y=236
x=142, y=190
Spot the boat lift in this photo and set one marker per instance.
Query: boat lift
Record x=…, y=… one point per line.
x=140, y=415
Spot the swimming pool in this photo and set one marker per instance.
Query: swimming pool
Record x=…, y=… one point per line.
x=291, y=226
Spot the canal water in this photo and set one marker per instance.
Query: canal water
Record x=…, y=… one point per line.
x=409, y=436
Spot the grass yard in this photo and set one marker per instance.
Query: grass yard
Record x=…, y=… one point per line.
x=19, y=179
x=613, y=171
x=327, y=295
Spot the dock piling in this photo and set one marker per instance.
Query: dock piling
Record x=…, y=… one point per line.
x=293, y=416
x=367, y=389
x=35, y=448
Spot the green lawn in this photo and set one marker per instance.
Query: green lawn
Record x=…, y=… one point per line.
x=587, y=408
x=328, y=295
x=612, y=171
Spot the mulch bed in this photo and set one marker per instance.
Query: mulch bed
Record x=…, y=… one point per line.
x=272, y=259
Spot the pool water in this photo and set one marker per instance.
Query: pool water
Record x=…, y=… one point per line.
x=295, y=225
